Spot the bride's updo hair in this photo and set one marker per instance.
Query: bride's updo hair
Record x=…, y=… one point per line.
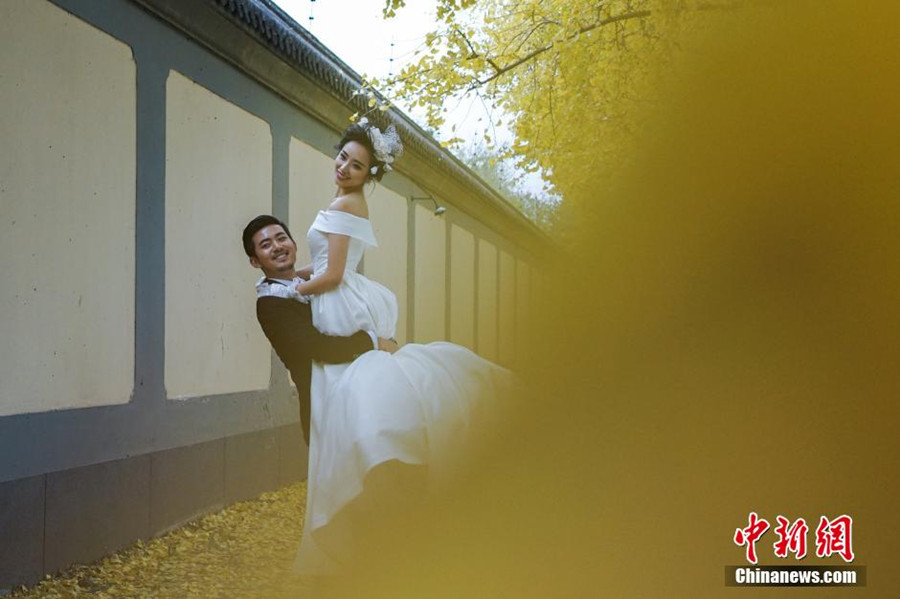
x=383, y=147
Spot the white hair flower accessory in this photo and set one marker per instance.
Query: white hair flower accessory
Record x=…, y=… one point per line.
x=387, y=144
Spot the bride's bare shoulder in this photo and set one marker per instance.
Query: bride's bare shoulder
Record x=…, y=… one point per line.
x=352, y=203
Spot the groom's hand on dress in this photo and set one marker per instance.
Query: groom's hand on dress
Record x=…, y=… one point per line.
x=388, y=345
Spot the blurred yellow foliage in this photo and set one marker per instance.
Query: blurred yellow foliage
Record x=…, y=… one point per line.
x=721, y=336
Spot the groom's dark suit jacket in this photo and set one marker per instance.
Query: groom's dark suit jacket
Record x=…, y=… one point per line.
x=288, y=325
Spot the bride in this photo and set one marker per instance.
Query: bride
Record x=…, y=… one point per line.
x=413, y=407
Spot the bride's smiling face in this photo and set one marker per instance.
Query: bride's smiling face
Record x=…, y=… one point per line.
x=351, y=167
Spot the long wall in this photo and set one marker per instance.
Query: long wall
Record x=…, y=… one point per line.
x=136, y=388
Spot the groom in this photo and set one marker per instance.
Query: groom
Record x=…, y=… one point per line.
x=287, y=322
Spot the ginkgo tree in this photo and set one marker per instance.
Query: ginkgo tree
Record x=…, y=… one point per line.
x=565, y=76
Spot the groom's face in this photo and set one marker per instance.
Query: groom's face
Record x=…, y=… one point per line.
x=274, y=252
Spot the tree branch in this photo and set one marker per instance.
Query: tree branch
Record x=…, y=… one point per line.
x=473, y=52
x=529, y=33
x=498, y=71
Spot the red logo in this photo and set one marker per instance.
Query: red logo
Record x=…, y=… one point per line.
x=832, y=537
x=835, y=536
x=750, y=535
x=791, y=539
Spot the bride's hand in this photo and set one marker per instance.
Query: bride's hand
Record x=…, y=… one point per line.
x=301, y=293
x=388, y=345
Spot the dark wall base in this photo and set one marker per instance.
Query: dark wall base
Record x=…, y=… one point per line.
x=22, y=531
x=186, y=482
x=95, y=510
x=58, y=519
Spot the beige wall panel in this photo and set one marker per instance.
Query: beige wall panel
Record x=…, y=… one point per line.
x=507, y=308
x=462, y=287
x=311, y=189
x=430, y=276
x=387, y=263
x=218, y=177
x=487, y=300
x=523, y=310
x=67, y=194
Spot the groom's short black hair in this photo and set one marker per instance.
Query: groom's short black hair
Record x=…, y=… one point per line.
x=260, y=222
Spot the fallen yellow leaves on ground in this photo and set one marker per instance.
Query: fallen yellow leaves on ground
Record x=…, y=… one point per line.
x=244, y=550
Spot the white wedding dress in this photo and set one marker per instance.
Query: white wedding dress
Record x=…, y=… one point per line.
x=415, y=406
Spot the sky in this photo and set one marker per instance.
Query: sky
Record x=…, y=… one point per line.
x=356, y=32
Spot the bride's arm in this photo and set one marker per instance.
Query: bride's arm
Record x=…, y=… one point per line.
x=338, y=245
x=305, y=272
